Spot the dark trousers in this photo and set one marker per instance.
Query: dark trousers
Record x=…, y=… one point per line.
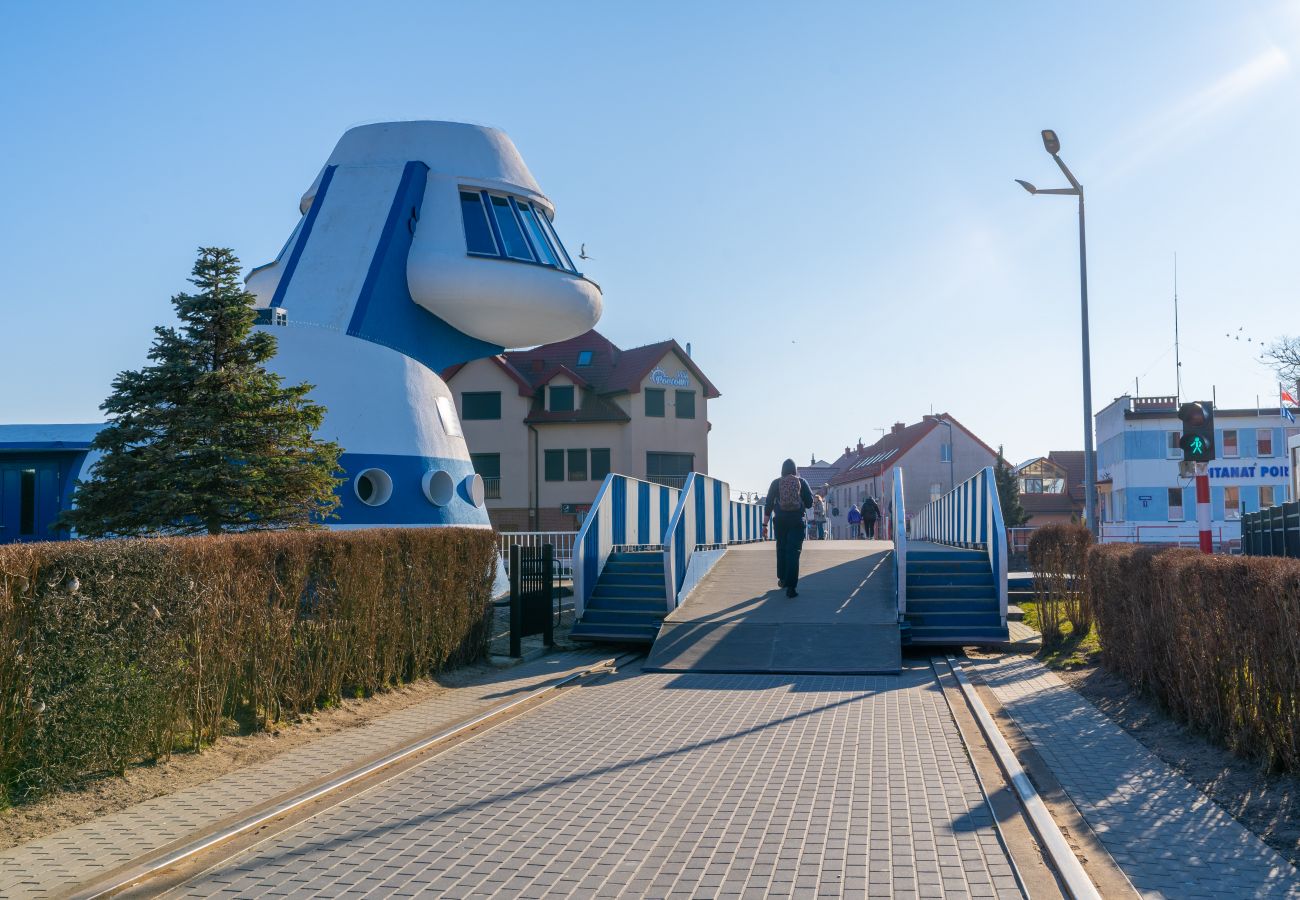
x=789, y=545
x=869, y=526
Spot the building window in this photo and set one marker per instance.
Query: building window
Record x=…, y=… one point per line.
x=480, y=405
x=1175, y=504
x=1031, y=485
x=554, y=465
x=1264, y=438
x=668, y=468
x=488, y=467
x=936, y=489
x=654, y=403
x=478, y=233
x=511, y=228
x=584, y=358
x=1230, y=443
x=599, y=463
x=685, y=404
x=1267, y=496
x=945, y=453
x=561, y=398
x=1172, y=448
x=577, y=465
x=1232, y=503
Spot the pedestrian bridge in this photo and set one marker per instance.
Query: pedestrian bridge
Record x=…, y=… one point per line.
x=688, y=571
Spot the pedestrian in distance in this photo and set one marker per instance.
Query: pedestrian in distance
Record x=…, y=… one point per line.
x=870, y=515
x=855, y=522
x=787, y=499
x=819, y=516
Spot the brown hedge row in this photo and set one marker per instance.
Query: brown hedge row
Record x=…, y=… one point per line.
x=1215, y=639
x=120, y=650
x=1057, y=557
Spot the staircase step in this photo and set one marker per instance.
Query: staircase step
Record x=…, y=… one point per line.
x=946, y=567
x=951, y=604
x=945, y=635
x=641, y=579
x=955, y=621
x=603, y=589
x=939, y=591
x=633, y=568
x=951, y=555
x=637, y=604
x=926, y=579
x=640, y=556
x=626, y=634
x=624, y=616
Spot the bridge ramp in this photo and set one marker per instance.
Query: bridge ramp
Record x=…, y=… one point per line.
x=844, y=621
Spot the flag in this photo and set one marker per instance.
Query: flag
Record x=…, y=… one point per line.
x=1286, y=414
x=1287, y=397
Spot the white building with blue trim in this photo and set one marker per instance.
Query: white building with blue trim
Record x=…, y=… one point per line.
x=420, y=245
x=1142, y=495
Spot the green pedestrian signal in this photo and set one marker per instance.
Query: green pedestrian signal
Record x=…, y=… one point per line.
x=1197, y=441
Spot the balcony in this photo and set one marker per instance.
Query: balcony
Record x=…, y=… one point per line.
x=672, y=481
x=492, y=488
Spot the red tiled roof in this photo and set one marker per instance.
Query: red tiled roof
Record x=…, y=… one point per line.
x=899, y=442
x=610, y=371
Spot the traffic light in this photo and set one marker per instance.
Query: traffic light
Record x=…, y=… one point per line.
x=1198, y=431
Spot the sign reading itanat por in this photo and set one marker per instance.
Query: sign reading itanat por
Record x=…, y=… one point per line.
x=659, y=376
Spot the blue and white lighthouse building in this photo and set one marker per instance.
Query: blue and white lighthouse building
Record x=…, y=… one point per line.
x=1143, y=496
x=420, y=245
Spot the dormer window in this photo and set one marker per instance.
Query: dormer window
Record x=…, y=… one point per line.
x=511, y=228
x=561, y=398
x=584, y=358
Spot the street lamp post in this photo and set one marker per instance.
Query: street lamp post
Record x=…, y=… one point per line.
x=1053, y=146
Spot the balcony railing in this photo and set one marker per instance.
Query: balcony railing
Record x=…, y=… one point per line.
x=672, y=481
x=492, y=488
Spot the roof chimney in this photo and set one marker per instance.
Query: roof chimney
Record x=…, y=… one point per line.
x=898, y=428
x=847, y=451
x=861, y=446
x=688, y=349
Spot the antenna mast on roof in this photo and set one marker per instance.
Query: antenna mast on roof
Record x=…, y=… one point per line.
x=1178, y=362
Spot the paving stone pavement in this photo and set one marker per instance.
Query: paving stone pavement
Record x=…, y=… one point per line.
x=666, y=785
x=53, y=864
x=1169, y=838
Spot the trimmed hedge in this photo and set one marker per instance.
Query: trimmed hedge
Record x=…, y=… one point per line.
x=117, y=651
x=1057, y=557
x=1214, y=639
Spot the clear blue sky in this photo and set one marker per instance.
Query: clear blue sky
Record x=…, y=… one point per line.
x=817, y=196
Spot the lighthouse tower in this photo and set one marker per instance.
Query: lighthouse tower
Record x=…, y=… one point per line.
x=421, y=245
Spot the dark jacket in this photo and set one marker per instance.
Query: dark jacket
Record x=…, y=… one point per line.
x=870, y=511
x=774, y=493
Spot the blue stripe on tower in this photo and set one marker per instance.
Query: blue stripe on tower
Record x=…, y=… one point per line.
x=643, y=513
x=292, y=263
x=620, y=510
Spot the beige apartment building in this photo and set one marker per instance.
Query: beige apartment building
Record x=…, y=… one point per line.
x=545, y=426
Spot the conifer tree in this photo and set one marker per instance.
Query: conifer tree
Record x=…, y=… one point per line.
x=205, y=440
x=1013, y=514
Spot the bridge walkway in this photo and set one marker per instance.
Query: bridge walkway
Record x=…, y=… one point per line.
x=844, y=621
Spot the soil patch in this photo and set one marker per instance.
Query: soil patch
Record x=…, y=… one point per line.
x=1267, y=804
x=145, y=781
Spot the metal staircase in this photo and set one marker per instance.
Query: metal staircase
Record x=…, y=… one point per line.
x=952, y=597
x=628, y=602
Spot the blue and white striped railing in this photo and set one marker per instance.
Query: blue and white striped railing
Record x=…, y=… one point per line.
x=898, y=521
x=970, y=516
x=627, y=512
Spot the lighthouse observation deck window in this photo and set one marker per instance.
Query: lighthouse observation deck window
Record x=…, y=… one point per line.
x=511, y=228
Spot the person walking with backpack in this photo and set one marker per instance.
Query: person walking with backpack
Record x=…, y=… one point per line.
x=787, y=499
x=855, y=523
x=870, y=515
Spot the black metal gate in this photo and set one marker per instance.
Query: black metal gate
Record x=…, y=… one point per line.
x=532, y=593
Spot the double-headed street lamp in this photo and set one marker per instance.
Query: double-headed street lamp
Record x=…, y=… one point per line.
x=1053, y=146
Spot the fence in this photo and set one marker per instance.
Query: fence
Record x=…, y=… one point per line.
x=898, y=525
x=1274, y=531
x=706, y=518
x=562, y=541
x=1225, y=538
x=626, y=512
x=970, y=516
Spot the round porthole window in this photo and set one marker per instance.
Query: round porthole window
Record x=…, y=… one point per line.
x=473, y=485
x=439, y=487
x=373, y=487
